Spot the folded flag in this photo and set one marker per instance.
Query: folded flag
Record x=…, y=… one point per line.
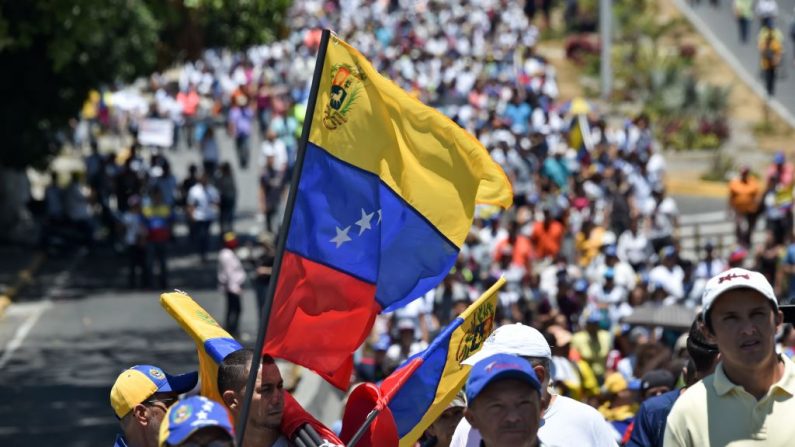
x=213, y=343
x=386, y=197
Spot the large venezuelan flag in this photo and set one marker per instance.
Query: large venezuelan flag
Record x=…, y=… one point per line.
x=386, y=197
x=213, y=343
x=422, y=388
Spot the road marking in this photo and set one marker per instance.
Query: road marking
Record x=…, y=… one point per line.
x=39, y=308
x=22, y=331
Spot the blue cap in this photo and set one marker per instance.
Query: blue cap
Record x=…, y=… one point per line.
x=669, y=250
x=610, y=250
x=498, y=367
x=383, y=343
x=581, y=285
x=191, y=414
x=165, y=382
x=140, y=382
x=610, y=273
x=778, y=158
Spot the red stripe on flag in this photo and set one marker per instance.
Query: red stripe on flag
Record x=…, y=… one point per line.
x=392, y=384
x=311, y=304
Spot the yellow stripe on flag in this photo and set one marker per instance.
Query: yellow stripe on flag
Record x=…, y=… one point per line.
x=369, y=122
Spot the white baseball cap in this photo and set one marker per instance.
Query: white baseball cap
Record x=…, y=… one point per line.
x=736, y=278
x=516, y=339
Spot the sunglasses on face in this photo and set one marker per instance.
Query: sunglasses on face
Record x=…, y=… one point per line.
x=166, y=401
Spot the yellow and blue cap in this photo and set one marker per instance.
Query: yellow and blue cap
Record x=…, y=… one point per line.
x=498, y=367
x=189, y=415
x=135, y=385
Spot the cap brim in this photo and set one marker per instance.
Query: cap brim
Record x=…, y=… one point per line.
x=739, y=286
x=180, y=384
x=182, y=433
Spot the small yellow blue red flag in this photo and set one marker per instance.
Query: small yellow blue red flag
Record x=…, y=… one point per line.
x=421, y=389
x=213, y=343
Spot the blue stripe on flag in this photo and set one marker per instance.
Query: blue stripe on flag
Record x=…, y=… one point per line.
x=413, y=400
x=348, y=219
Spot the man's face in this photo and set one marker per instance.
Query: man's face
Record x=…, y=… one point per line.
x=267, y=402
x=507, y=413
x=156, y=408
x=744, y=327
x=444, y=427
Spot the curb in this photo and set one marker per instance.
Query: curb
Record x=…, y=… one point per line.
x=24, y=277
x=735, y=64
x=696, y=188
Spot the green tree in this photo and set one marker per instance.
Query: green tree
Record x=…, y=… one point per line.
x=53, y=52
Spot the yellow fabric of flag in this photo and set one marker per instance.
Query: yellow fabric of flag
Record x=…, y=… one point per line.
x=213, y=343
x=369, y=122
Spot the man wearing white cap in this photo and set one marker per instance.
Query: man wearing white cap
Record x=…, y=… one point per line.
x=749, y=399
x=565, y=421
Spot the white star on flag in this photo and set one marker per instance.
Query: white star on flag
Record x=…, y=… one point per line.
x=364, y=222
x=341, y=237
x=379, y=216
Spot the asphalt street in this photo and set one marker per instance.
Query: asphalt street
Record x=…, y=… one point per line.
x=722, y=23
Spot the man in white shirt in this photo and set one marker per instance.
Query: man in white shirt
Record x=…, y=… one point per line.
x=565, y=421
x=203, y=200
x=669, y=274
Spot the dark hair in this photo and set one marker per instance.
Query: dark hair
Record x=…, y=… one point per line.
x=701, y=351
x=233, y=370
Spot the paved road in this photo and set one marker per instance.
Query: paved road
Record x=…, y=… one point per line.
x=68, y=335
x=723, y=25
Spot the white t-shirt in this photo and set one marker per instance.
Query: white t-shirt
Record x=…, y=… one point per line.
x=205, y=200
x=671, y=280
x=566, y=422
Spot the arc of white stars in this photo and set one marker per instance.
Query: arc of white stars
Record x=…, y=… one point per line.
x=342, y=236
x=364, y=222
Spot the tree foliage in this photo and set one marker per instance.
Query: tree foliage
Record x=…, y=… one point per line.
x=53, y=52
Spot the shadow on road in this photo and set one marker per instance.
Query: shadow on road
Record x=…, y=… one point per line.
x=60, y=391
x=103, y=270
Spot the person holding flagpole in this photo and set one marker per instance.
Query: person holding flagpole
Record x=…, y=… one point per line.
x=275, y=417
